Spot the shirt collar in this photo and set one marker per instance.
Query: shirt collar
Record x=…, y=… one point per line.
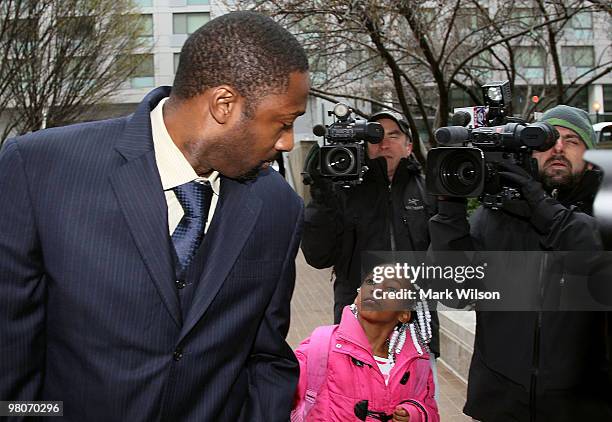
x=174, y=169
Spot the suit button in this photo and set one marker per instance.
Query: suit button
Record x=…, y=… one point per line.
x=180, y=284
x=177, y=355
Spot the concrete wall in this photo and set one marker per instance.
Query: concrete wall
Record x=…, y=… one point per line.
x=457, y=330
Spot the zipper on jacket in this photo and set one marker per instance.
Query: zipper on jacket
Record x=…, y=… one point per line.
x=536, y=346
x=391, y=230
x=535, y=368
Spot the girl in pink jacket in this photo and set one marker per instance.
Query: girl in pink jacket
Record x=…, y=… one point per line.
x=374, y=365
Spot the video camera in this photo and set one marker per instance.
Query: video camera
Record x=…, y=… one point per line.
x=342, y=155
x=468, y=163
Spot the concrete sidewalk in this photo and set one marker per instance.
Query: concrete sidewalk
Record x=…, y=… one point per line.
x=312, y=305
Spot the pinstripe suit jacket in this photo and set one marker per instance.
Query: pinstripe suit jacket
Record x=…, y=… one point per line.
x=88, y=309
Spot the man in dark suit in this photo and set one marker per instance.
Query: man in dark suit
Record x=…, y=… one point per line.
x=147, y=262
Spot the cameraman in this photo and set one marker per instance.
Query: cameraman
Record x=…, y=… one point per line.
x=528, y=366
x=388, y=211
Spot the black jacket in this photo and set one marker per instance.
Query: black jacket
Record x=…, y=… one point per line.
x=533, y=365
x=375, y=215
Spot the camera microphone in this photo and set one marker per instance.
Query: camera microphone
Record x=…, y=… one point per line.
x=451, y=135
x=461, y=118
x=319, y=130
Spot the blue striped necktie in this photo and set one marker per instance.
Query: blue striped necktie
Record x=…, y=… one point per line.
x=195, y=198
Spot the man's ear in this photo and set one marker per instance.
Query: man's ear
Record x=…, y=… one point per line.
x=224, y=103
x=409, y=146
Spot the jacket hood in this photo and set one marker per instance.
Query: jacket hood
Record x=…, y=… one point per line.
x=351, y=330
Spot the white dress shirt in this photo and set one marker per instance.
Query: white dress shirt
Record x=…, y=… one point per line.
x=175, y=170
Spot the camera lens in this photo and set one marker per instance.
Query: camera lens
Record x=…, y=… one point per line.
x=460, y=173
x=340, y=161
x=466, y=173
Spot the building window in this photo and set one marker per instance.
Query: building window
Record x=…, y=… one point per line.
x=318, y=64
x=427, y=15
x=197, y=2
x=318, y=68
x=79, y=68
x=481, y=65
x=147, y=26
x=27, y=36
x=530, y=61
x=76, y=29
x=177, y=57
x=188, y=23
x=582, y=20
x=581, y=100
x=144, y=75
x=470, y=19
x=460, y=98
x=581, y=56
x=582, y=24
x=525, y=16
x=607, y=95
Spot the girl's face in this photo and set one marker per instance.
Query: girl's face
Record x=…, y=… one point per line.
x=375, y=307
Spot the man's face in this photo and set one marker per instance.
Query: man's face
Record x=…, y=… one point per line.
x=562, y=165
x=249, y=143
x=393, y=147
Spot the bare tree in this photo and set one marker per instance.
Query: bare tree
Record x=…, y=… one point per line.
x=542, y=66
x=61, y=56
x=409, y=55
x=11, y=46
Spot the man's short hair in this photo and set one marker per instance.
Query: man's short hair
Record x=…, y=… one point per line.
x=246, y=50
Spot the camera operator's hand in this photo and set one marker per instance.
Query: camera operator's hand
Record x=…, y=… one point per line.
x=452, y=206
x=320, y=186
x=532, y=190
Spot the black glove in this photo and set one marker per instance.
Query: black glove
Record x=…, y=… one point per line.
x=452, y=206
x=320, y=186
x=541, y=209
x=532, y=190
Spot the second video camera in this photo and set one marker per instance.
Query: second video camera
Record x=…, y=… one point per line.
x=468, y=163
x=342, y=156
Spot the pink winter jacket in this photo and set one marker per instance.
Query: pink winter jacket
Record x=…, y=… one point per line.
x=353, y=376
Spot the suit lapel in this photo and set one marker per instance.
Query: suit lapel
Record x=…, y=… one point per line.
x=232, y=224
x=140, y=195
